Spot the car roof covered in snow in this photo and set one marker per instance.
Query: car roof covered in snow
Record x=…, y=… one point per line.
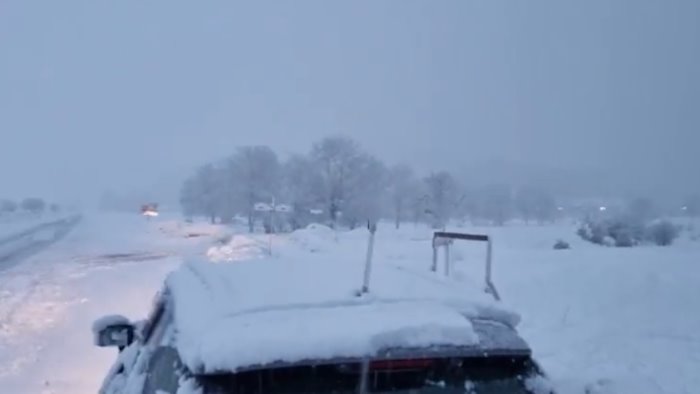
x=285, y=310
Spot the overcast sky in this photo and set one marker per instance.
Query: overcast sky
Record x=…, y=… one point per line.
x=126, y=94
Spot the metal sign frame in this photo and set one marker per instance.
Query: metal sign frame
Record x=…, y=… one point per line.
x=445, y=239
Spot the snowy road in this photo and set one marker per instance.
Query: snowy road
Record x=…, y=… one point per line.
x=18, y=223
x=19, y=246
x=107, y=264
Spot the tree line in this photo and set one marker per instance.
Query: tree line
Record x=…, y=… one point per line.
x=32, y=205
x=339, y=183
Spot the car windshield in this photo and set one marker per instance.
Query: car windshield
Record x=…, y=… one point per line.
x=485, y=375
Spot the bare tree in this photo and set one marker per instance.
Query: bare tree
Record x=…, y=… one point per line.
x=366, y=185
x=302, y=187
x=442, y=193
x=201, y=194
x=403, y=191
x=253, y=175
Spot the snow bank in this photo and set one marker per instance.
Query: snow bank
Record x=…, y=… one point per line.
x=239, y=247
x=190, y=230
x=314, y=238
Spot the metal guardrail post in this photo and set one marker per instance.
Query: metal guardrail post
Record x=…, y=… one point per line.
x=447, y=259
x=368, y=261
x=489, y=252
x=435, y=257
x=490, y=288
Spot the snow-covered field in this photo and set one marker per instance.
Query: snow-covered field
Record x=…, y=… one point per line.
x=626, y=318
x=623, y=320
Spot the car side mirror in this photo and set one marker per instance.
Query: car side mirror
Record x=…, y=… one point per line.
x=113, y=331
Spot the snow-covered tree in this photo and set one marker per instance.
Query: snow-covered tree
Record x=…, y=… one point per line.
x=302, y=188
x=465, y=205
x=419, y=206
x=443, y=194
x=335, y=158
x=201, y=193
x=252, y=175
x=364, y=195
x=404, y=191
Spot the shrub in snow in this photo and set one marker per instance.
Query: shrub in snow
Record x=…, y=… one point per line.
x=561, y=245
x=33, y=205
x=7, y=206
x=315, y=237
x=593, y=232
x=662, y=233
x=615, y=232
x=625, y=232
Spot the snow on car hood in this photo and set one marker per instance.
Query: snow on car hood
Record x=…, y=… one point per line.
x=300, y=307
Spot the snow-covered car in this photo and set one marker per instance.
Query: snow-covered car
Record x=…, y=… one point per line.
x=272, y=325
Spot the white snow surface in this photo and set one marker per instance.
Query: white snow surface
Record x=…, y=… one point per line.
x=315, y=237
x=617, y=321
x=110, y=263
x=237, y=248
